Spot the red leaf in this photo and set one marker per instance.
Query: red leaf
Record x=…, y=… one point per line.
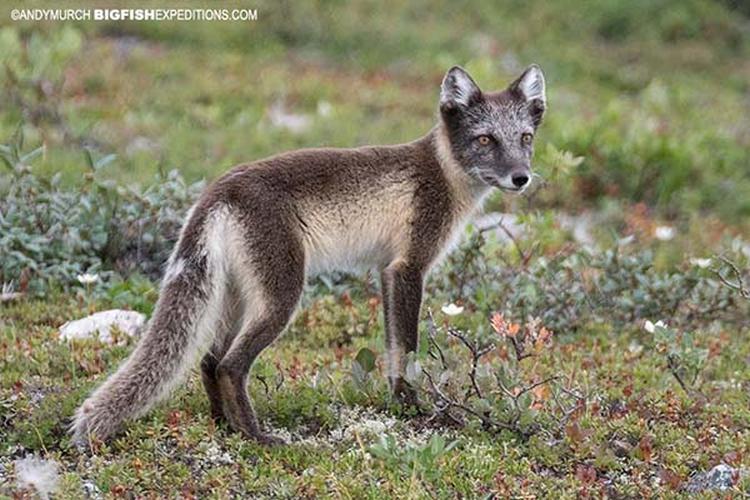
x=586, y=474
x=173, y=420
x=576, y=434
x=646, y=447
x=733, y=458
x=671, y=479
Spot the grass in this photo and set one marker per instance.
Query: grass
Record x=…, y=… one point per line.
x=646, y=129
x=637, y=424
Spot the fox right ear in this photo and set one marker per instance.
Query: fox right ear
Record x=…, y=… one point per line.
x=531, y=84
x=458, y=89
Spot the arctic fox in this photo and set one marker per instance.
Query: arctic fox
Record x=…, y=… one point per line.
x=235, y=277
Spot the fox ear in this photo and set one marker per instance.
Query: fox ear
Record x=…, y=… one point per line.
x=531, y=84
x=531, y=88
x=458, y=89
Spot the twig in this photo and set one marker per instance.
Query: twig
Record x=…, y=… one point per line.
x=431, y=329
x=514, y=240
x=468, y=255
x=476, y=355
x=262, y=380
x=535, y=385
x=739, y=285
x=673, y=364
x=486, y=421
x=518, y=348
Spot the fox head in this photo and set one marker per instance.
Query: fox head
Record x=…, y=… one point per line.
x=491, y=135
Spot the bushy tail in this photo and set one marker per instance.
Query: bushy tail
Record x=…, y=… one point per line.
x=177, y=334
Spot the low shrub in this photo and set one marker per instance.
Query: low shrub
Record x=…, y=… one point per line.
x=573, y=286
x=49, y=234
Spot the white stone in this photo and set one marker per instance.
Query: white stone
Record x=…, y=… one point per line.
x=721, y=478
x=100, y=325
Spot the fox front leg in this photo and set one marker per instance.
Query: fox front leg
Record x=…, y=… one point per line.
x=402, y=285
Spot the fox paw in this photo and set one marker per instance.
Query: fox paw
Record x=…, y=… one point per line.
x=269, y=439
x=405, y=394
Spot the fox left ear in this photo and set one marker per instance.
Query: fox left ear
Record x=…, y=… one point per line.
x=530, y=85
x=458, y=90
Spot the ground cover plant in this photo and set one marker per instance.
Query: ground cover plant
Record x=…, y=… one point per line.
x=588, y=339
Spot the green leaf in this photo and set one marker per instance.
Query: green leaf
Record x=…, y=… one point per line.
x=358, y=374
x=437, y=444
x=104, y=161
x=413, y=371
x=366, y=359
x=31, y=155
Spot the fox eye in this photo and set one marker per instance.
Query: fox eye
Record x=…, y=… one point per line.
x=484, y=140
x=526, y=138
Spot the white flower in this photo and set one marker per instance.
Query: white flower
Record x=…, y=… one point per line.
x=702, y=263
x=651, y=327
x=293, y=122
x=324, y=108
x=452, y=309
x=664, y=233
x=8, y=292
x=87, y=279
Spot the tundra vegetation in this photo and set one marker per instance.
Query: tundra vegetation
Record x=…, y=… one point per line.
x=591, y=340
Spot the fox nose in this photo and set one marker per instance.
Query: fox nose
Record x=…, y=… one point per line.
x=520, y=180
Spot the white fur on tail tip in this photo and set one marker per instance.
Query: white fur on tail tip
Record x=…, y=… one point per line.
x=532, y=84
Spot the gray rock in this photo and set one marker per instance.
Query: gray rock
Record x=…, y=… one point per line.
x=91, y=490
x=720, y=478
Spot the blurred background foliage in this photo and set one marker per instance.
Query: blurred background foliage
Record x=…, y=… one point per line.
x=652, y=95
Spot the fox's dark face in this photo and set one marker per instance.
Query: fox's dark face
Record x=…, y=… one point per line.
x=492, y=134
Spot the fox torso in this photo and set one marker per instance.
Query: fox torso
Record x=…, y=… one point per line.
x=236, y=275
x=351, y=209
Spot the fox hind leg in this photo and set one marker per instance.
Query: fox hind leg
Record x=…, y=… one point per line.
x=211, y=384
x=228, y=330
x=266, y=315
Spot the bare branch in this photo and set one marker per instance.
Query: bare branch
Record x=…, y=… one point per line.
x=262, y=380
x=431, y=331
x=535, y=385
x=522, y=255
x=739, y=283
x=487, y=422
x=476, y=355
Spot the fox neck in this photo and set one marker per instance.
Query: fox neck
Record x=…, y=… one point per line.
x=468, y=192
